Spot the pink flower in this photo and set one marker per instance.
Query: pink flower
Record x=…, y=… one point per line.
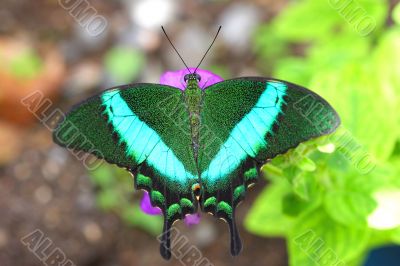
x=176, y=79
x=147, y=208
x=192, y=219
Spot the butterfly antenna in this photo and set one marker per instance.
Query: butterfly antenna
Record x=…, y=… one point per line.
x=216, y=35
x=166, y=35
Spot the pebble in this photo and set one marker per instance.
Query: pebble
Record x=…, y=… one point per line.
x=150, y=14
x=22, y=171
x=85, y=201
x=50, y=170
x=52, y=217
x=148, y=40
x=92, y=232
x=9, y=141
x=43, y=194
x=32, y=156
x=88, y=41
x=239, y=21
x=152, y=72
x=205, y=233
x=8, y=20
x=3, y=238
x=84, y=77
x=249, y=72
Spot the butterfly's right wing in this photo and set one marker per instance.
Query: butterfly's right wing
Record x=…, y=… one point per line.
x=245, y=122
x=143, y=128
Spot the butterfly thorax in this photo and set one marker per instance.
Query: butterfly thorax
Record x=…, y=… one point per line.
x=193, y=99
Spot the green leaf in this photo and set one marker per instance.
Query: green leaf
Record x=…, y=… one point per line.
x=306, y=164
x=318, y=45
x=303, y=21
x=395, y=236
x=393, y=167
x=387, y=64
x=396, y=14
x=271, y=171
x=396, y=150
x=291, y=173
x=134, y=216
x=306, y=186
x=26, y=65
x=269, y=46
x=108, y=199
x=297, y=24
x=349, y=207
x=293, y=205
x=103, y=176
x=354, y=91
x=293, y=69
x=337, y=52
x=265, y=217
x=316, y=239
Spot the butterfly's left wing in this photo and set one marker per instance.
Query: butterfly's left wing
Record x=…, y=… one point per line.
x=245, y=122
x=143, y=128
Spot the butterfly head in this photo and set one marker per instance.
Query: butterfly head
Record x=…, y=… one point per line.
x=192, y=77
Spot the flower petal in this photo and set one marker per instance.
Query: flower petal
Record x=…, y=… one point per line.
x=176, y=78
x=192, y=219
x=146, y=206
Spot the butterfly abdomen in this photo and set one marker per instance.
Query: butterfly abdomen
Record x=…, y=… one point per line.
x=193, y=98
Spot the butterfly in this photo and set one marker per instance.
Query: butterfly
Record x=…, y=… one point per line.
x=200, y=147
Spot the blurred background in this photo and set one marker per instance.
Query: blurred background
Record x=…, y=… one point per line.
x=331, y=201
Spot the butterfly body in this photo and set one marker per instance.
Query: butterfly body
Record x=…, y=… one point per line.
x=193, y=98
x=201, y=147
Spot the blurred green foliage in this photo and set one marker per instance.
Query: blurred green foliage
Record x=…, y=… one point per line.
x=321, y=193
x=26, y=65
x=114, y=193
x=124, y=64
